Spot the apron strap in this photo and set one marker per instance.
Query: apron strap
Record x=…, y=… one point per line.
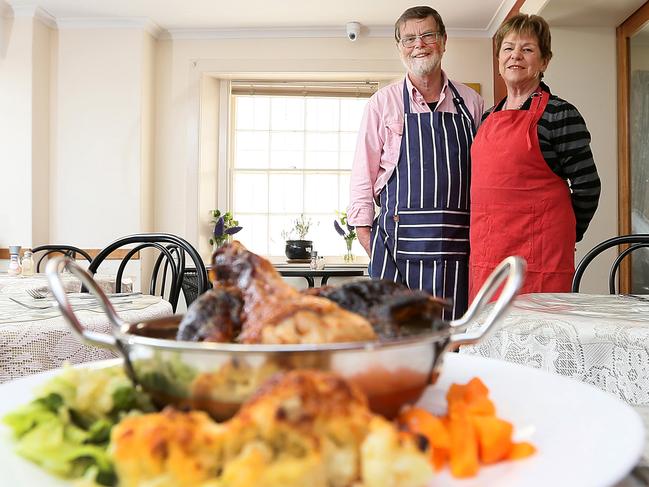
x=535, y=112
x=461, y=106
x=406, y=98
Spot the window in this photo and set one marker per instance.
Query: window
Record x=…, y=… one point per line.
x=292, y=147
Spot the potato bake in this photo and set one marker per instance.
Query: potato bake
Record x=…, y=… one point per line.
x=302, y=428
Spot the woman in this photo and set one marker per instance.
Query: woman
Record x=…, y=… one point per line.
x=534, y=185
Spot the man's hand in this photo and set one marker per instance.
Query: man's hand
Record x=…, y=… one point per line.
x=363, y=234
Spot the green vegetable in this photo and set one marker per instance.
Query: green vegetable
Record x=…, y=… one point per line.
x=66, y=429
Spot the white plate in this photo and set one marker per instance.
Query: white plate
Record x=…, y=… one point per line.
x=583, y=436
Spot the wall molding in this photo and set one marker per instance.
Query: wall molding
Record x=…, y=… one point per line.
x=500, y=15
x=299, y=32
x=143, y=23
x=32, y=11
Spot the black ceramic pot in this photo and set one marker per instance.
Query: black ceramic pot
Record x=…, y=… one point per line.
x=298, y=249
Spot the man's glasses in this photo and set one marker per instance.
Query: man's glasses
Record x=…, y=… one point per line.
x=428, y=38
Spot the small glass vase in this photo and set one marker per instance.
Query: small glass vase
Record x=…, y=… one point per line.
x=349, y=255
x=218, y=243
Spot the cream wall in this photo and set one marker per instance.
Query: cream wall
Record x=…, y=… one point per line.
x=184, y=64
x=102, y=161
x=582, y=71
x=24, y=129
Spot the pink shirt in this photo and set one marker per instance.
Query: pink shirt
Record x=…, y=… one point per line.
x=379, y=140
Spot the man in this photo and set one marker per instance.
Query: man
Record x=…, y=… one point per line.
x=412, y=159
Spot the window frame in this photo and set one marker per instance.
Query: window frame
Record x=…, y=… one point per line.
x=227, y=124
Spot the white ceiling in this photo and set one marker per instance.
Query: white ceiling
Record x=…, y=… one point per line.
x=462, y=17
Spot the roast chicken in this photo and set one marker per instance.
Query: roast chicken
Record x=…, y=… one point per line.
x=251, y=303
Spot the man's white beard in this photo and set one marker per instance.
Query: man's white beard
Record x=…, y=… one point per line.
x=420, y=67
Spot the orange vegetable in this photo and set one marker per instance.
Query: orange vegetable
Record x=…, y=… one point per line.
x=474, y=395
x=494, y=438
x=521, y=450
x=469, y=435
x=464, y=447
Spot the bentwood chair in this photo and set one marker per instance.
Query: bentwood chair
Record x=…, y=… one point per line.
x=637, y=241
x=45, y=251
x=168, y=270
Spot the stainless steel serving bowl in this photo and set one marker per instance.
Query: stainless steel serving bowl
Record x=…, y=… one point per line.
x=219, y=377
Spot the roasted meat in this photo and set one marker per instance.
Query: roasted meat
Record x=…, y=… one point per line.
x=302, y=428
x=392, y=309
x=215, y=316
x=262, y=308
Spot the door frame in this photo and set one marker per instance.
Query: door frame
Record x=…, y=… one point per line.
x=624, y=32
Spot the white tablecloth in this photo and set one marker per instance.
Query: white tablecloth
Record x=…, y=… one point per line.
x=599, y=339
x=35, y=340
x=20, y=284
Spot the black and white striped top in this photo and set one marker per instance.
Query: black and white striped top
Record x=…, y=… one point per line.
x=565, y=145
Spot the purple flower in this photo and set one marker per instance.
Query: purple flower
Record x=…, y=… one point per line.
x=339, y=229
x=219, y=227
x=232, y=230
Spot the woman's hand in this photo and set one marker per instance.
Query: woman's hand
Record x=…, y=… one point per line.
x=363, y=234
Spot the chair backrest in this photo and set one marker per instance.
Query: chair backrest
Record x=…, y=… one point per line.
x=169, y=266
x=637, y=241
x=67, y=250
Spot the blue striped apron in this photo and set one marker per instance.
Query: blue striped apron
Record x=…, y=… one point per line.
x=421, y=235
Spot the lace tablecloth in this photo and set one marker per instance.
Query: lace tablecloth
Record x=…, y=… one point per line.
x=35, y=340
x=20, y=284
x=599, y=339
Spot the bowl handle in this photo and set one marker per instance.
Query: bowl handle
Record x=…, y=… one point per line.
x=53, y=271
x=513, y=269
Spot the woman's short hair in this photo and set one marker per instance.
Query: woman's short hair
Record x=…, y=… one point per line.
x=530, y=25
x=420, y=12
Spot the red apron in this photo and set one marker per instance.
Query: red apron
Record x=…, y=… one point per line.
x=518, y=205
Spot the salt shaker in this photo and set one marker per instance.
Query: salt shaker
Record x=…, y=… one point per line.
x=28, y=263
x=14, y=266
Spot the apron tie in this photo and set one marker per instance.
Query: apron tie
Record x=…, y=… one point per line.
x=532, y=118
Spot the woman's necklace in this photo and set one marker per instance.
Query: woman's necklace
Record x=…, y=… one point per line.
x=523, y=102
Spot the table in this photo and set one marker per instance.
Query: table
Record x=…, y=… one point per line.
x=293, y=270
x=36, y=340
x=599, y=339
x=20, y=284
x=602, y=340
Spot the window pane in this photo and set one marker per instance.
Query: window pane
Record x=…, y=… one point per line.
x=279, y=224
x=250, y=192
x=325, y=237
x=344, y=192
x=251, y=150
x=252, y=112
x=287, y=113
x=347, y=149
x=351, y=113
x=284, y=159
x=286, y=192
x=254, y=234
x=348, y=141
x=322, y=113
x=320, y=193
x=321, y=150
x=287, y=150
